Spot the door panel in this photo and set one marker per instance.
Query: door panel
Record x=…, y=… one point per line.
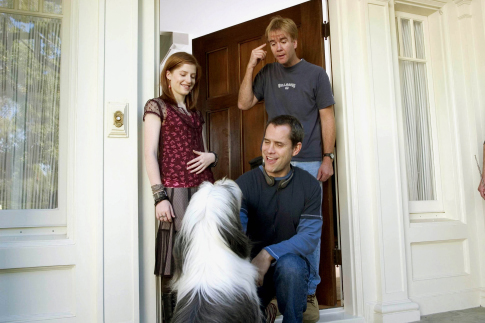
x=245, y=49
x=254, y=121
x=219, y=125
x=237, y=135
x=217, y=75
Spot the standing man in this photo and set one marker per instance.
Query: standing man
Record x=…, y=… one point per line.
x=281, y=215
x=295, y=87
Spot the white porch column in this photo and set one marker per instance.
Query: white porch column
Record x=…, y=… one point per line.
x=120, y=227
x=371, y=198
x=468, y=74
x=393, y=304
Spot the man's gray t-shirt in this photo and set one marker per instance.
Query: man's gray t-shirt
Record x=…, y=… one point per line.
x=301, y=91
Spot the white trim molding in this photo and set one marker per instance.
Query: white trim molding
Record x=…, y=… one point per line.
x=464, y=8
x=428, y=4
x=406, y=311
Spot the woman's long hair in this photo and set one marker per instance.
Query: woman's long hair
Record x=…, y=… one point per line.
x=173, y=62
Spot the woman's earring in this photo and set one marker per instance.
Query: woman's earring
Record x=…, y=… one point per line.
x=169, y=84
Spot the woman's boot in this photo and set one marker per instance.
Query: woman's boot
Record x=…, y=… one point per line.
x=167, y=302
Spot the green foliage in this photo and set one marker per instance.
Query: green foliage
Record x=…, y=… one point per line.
x=30, y=56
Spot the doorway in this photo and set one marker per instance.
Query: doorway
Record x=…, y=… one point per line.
x=236, y=135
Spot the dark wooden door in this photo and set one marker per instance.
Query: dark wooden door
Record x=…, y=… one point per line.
x=236, y=135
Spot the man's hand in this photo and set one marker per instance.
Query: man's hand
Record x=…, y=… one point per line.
x=262, y=261
x=257, y=55
x=481, y=188
x=325, y=170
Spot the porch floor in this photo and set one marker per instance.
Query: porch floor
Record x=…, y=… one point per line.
x=471, y=315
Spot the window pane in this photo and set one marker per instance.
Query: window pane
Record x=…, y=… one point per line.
x=29, y=5
x=419, y=38
x=53, y=6
x=397, y=36
x=407, y=44
x=30, y=54
x=419, y=152
x=6, y=4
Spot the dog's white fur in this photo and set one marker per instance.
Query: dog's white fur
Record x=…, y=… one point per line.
x=211, y=270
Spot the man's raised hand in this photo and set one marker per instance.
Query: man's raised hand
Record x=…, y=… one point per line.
x=257, y=55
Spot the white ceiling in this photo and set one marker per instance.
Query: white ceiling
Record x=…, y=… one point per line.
x=201, y=17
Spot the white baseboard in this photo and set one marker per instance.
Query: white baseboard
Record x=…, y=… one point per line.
x=453, y=301
x=397, y=312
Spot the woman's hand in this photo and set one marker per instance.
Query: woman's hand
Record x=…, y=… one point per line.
x=481, y=188
x=164, y=211
x=198, y=164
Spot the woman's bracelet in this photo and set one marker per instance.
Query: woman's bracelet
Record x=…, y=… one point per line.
x=157, y=188
x=214, y=164
x=160, y=199
x=160, y=194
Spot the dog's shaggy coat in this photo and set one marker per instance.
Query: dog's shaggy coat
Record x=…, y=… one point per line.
x=213, y=277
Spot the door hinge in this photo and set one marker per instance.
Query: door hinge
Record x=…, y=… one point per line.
x=326, y=29
x=337, y=257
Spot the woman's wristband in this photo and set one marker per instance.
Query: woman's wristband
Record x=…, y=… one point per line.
x=159, y=194
x=160, y=199
x=214, y=164
x=157, y=188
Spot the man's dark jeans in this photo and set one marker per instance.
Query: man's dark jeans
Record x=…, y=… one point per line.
x=288, y=280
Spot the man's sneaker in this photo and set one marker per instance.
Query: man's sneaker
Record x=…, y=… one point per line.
x=312, y=313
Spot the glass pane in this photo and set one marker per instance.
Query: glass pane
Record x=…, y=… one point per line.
x=419, y=151
x=53, y=6
x=407, y=44
x=397, y=36
x=6, y=4
x=29, y=5
x=419, y=39
x=30, y=57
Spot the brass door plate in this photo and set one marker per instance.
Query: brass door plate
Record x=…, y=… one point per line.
x=117, y=119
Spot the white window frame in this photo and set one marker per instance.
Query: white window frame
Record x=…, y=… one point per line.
x=429, y=208
x=48, y=218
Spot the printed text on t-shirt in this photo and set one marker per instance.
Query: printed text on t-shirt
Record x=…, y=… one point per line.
x=287, y=85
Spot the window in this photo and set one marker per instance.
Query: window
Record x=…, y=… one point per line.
x=422, y=164
x=33, y=39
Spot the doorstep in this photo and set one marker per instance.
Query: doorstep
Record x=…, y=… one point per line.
x=332, y=315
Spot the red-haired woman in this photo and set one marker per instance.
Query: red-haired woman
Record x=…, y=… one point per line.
x=175, y=156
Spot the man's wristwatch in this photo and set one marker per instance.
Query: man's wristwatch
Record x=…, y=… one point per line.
x=331, y=155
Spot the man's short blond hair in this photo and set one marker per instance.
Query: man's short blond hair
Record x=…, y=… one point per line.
x=285, y=24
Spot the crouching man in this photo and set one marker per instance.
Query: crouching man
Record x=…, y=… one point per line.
x=281, y=214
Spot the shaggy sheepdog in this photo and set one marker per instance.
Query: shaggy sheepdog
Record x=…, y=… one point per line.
x=214, y=280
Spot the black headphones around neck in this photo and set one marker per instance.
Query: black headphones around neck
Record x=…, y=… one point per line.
x=283, y=183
